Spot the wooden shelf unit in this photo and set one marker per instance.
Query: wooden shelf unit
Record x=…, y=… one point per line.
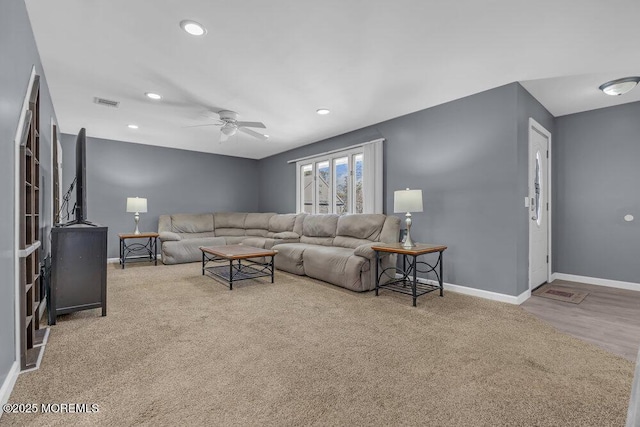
x=30, y=287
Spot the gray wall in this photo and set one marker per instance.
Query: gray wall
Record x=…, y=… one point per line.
x=466, y=156
x=173, y=181
x=596, y=185
x=19, y=54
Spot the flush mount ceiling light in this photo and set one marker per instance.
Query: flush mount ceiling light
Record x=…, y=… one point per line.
x=323, y=111
x=619, y=86
x=132, y=126
x=193, y=28
x=153, y=95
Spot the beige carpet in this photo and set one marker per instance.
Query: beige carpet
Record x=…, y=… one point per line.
x=178, y=348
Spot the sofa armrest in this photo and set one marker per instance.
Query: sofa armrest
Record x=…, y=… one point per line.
x=365, y=251
x=286, y=235
x=166, y=236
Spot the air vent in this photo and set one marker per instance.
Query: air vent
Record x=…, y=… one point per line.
x=106, y=102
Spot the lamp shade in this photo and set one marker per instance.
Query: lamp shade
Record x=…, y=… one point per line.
x=407, y=201
x=136, y=204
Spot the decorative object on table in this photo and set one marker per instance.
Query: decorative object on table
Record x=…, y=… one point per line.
x=561, y=293
x=407, y=201
x=137, y=205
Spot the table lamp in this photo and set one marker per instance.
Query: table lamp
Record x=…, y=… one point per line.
x=407, y=201
x=137, y=205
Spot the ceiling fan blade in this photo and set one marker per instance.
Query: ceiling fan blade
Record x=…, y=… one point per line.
x=252, y=125
x=199, y=126
x=253, y=133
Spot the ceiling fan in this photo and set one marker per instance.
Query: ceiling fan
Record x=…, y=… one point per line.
x=230, y=125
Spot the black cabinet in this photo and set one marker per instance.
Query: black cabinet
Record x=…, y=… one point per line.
x=78, y=270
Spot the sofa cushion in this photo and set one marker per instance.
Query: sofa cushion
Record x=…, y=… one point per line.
x=297, y=226
x=282, y=222
x=289, y=257
x=361, y=226
x=349, y=242
x=233, y=240
x=229, y=220
x=191, y=223
x=188, y=250
x=345, y=267
x=285, y=235
x=322, y=241
x=256, y=242
x=205, y=234
x=230, y=232
x=258, y=232
x=258, y=220
x=320, y=225
x=257, y=224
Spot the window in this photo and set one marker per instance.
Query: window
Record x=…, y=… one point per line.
x=341, y=182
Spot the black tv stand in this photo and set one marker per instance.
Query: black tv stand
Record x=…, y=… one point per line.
x=78, y=269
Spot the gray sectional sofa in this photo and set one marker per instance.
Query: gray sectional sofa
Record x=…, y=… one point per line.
x=332, y=248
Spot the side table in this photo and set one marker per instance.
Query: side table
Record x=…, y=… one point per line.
x=137, y=250
x=408, y=282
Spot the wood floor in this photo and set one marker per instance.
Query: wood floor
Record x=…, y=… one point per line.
x=607, y=317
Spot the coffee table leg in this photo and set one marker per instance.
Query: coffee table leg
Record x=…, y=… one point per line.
x=272, y=268
x=203, y=263
x=230, y=274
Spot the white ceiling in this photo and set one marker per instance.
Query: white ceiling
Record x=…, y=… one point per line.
x=278, y=61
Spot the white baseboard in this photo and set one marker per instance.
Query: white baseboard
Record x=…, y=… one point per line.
x=480, y=293
x=595, y=281
x=9, y=382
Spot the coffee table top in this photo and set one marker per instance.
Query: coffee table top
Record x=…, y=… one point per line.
x=237, y=251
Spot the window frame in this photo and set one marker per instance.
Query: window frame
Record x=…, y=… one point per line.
x=370, y=162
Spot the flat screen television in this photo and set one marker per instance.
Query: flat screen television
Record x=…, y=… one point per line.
x=80, y=182
x=81, y=177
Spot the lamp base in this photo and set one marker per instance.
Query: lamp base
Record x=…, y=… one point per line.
x=136, y=217
x=408, y=243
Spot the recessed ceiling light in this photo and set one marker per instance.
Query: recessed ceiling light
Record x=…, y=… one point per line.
x=323, y=111
x=132, y=126
x=266, y=136
x=619, y=86
x=153, y=95
x=192, y=27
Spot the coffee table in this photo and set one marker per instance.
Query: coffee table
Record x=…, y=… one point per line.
x=236, y=270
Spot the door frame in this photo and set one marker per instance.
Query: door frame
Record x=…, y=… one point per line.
x=534, y=126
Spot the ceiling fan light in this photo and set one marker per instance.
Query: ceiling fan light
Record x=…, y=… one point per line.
x=153, y=96
x=619, y=86
x=228, y=130
x=192, y=27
